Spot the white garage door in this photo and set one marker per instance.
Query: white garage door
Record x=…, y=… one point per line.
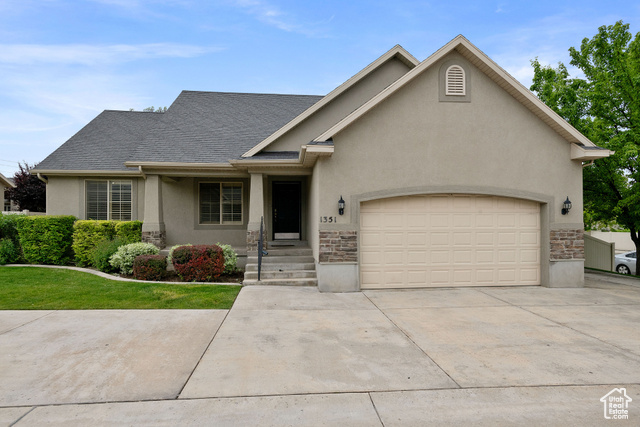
x=449, y=240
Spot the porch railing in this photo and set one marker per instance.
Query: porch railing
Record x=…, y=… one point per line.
x=261, y=251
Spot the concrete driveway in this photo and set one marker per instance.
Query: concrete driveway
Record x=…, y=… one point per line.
x=294, y=356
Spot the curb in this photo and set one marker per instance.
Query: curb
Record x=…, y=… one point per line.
x=117, y=278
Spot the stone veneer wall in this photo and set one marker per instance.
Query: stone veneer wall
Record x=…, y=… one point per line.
x=567, y=244
x=338, y=246
x=253, y=239
x=158, y=238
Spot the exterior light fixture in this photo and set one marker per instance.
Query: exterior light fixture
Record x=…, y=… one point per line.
x=341, y=206
x=566, y=206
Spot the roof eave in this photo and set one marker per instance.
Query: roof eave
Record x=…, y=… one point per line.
x=580, y=153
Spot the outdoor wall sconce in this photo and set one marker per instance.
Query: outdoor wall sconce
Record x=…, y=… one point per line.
x=566, y=206
x=341, y=206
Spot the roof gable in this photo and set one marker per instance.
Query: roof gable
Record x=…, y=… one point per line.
x=397, y=52
x=476, y=57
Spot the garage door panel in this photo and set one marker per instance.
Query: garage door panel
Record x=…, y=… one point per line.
x=445, y=240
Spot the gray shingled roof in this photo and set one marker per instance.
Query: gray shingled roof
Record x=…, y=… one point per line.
x=199, y=127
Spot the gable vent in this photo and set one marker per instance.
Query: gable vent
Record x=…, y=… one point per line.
x=455, y=81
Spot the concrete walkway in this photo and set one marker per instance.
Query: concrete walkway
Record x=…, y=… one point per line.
x=294, y=356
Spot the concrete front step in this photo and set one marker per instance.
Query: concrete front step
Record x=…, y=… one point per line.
x=282, y=282
x=285, y=266
x=285, y=274
x=277, y=259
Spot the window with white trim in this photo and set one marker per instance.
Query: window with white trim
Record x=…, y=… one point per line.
x=455, y=83
x=108, y=200
x=220, y=202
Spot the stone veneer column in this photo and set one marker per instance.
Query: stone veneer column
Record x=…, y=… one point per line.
x=567, y=244
x=256, y=212
x=153, y=230
x=338, y=246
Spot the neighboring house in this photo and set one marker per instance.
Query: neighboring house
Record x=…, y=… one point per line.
x=5, y=184
x=452, y=174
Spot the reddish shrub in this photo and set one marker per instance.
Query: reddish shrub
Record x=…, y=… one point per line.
x=200, y=263
x=150, y=267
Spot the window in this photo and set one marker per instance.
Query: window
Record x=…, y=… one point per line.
x=220, y=203
x=455, y=81
x=109, y=200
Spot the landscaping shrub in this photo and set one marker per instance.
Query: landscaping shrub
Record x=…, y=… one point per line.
x=129, y=231
x=173, y=248
x=150, y=267
x=9, y=241
x=9, y=252
x=8, y=226
x=88, y=233
x=46, y=239
x=103, y=251
x=200, y=263
x=230, y=259
x=125, y=255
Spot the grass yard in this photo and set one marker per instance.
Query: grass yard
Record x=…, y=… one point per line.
x=36, y=288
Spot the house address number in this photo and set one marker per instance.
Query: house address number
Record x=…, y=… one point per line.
x=328, y=219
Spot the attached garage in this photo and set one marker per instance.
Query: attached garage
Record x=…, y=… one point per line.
x=449, y=241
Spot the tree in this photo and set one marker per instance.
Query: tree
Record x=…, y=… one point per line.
x=29, y=192
x=605, y=107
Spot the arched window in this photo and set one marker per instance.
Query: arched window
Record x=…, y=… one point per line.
x=455, y=81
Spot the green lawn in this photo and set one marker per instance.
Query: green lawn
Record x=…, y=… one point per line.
x=33, y=288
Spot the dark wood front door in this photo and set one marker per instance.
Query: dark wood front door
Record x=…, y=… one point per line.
x=287, y=210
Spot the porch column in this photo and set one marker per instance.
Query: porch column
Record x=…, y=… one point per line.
x=256, y=211
x=153, y=230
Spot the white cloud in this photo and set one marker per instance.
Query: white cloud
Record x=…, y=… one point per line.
x=84, y=54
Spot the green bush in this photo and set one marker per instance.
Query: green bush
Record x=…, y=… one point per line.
x=200, y=263
x=173, y=248
x=125, y=255
x=9, y=240
x=8, y=226
x=150, y=267
x=129, y=231
x=88, y=233
x=9, y=252
x=103, y=251
x=46, y=239
x=230, y=259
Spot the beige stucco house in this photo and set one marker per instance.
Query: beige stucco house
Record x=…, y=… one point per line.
x=7, y=204
x=452, y=174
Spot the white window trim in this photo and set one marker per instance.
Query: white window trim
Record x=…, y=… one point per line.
x=221, y=221
x=108, y=181
x=455, y=84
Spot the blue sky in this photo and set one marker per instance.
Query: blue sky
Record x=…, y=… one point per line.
x=64, y=61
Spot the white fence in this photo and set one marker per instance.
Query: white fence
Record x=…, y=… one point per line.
x=599, y=254
x=622, y=239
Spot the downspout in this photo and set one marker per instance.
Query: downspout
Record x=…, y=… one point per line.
x=42, y=178
x=586, y=165
x=142, y=172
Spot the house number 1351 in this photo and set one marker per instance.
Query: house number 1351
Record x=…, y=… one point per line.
x=328, y=219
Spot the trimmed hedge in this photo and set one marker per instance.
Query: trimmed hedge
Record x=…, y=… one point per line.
x=88, y=233
x=150, y=267
x=129, y=231
x=9, y=240
x=125, y=255
x=199, y=263
x=46, y=239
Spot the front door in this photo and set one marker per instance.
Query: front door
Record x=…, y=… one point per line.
x=287, y=210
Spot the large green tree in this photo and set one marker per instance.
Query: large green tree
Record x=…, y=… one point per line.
x=604, y=105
